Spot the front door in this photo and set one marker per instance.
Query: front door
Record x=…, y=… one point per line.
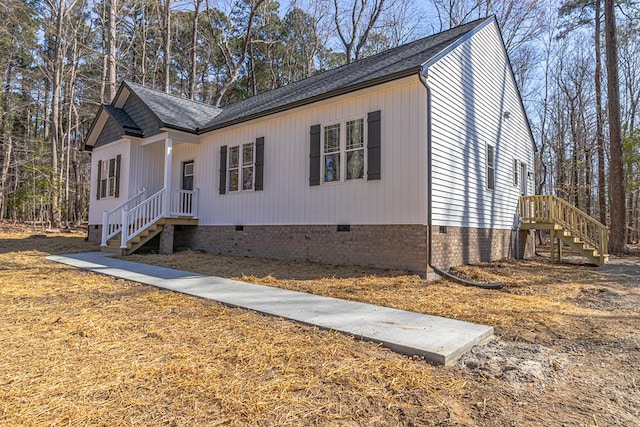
x=186, y=195
x=187, y=175
x=523, y=178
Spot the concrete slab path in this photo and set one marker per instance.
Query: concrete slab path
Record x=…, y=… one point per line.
x=437, y=339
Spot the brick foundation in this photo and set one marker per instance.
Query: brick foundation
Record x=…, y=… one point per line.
x=166, y=243
x=456, y=245
x=94, y=233
x=384, y=246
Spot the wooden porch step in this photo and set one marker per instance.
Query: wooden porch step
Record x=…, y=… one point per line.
x=178, y=221
x=113, y=245
x=532, y=225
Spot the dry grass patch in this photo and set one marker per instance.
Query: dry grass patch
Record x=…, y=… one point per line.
x=537, y=304
x=83, y=349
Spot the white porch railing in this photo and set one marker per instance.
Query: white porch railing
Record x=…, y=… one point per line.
x=137, y=219
x=112, y=220
x=184, y=203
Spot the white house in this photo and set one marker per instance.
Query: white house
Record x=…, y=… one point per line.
x=413, y=157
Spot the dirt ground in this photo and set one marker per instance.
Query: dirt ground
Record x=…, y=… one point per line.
x=81, y=349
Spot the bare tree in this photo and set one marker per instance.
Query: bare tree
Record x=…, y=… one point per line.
x=166, y=46
x=234, y=57
x=451, y=13
x=602, y=202
x=354, y=22
x=111, y=50
x=193, y=51
x=617, y=241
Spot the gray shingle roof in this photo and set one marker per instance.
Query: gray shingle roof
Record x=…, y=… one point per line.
x=173, y=111
x=124, y=120
x=183, y=114
x=386, y=66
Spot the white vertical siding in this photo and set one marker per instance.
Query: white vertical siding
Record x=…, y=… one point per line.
x=147, y=167
x=104, y=153
x=287, y=198
x=472, y=87
x=182, y=152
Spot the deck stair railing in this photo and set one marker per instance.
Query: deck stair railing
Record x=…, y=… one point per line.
x=184, y=202
x=138, y=218
x=112, y=220
x=567, y=223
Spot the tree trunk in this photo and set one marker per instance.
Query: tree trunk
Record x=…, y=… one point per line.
x=602, y=201
x=54, y=124
x=7, y=138
x=191, y=90
x=166, y=48
x=617, y=241
x=111, y=54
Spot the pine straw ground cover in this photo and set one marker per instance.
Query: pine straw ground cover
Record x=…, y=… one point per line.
x=537, y=304
x=78, y=348
x=82, y=349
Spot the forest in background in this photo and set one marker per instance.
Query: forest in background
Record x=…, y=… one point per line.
x=60, y=59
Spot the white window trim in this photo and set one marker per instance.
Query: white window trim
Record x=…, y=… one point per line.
x=108, y=182
x=516, y=172
x=240, y=168
x=343, y=150
x=492, y=167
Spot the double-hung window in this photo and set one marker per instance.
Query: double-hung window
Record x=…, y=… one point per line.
x=332, y=153
x=343, y=156
x=491, y=167
x=240, y=168
x=108, y=178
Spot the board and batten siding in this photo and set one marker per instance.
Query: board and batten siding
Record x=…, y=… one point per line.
x=287, y=198
x=147, y=167
x=104, y=153
x=472, y=88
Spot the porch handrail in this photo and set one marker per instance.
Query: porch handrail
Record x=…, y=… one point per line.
x=548, y=209
x=111, y=220
x=184, y=202
x=138, y=218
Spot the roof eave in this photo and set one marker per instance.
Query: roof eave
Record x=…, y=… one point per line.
x=96, y=118
x=306, y=101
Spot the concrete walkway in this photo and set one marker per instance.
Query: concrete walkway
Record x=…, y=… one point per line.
x=437, y=339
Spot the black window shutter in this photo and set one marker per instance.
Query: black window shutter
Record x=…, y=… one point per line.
x=314, y=156
x=99, y=179
x=373, y=145
x=223, y=169
x=259, y=163
x=117, y=190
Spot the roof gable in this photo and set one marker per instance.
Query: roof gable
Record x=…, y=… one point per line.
x=175, y=112
x=119, y=122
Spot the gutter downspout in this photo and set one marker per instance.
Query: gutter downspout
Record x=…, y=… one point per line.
x=422, y=75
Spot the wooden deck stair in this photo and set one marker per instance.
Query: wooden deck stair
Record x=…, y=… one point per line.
x=114, y=244
x=567, y=225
